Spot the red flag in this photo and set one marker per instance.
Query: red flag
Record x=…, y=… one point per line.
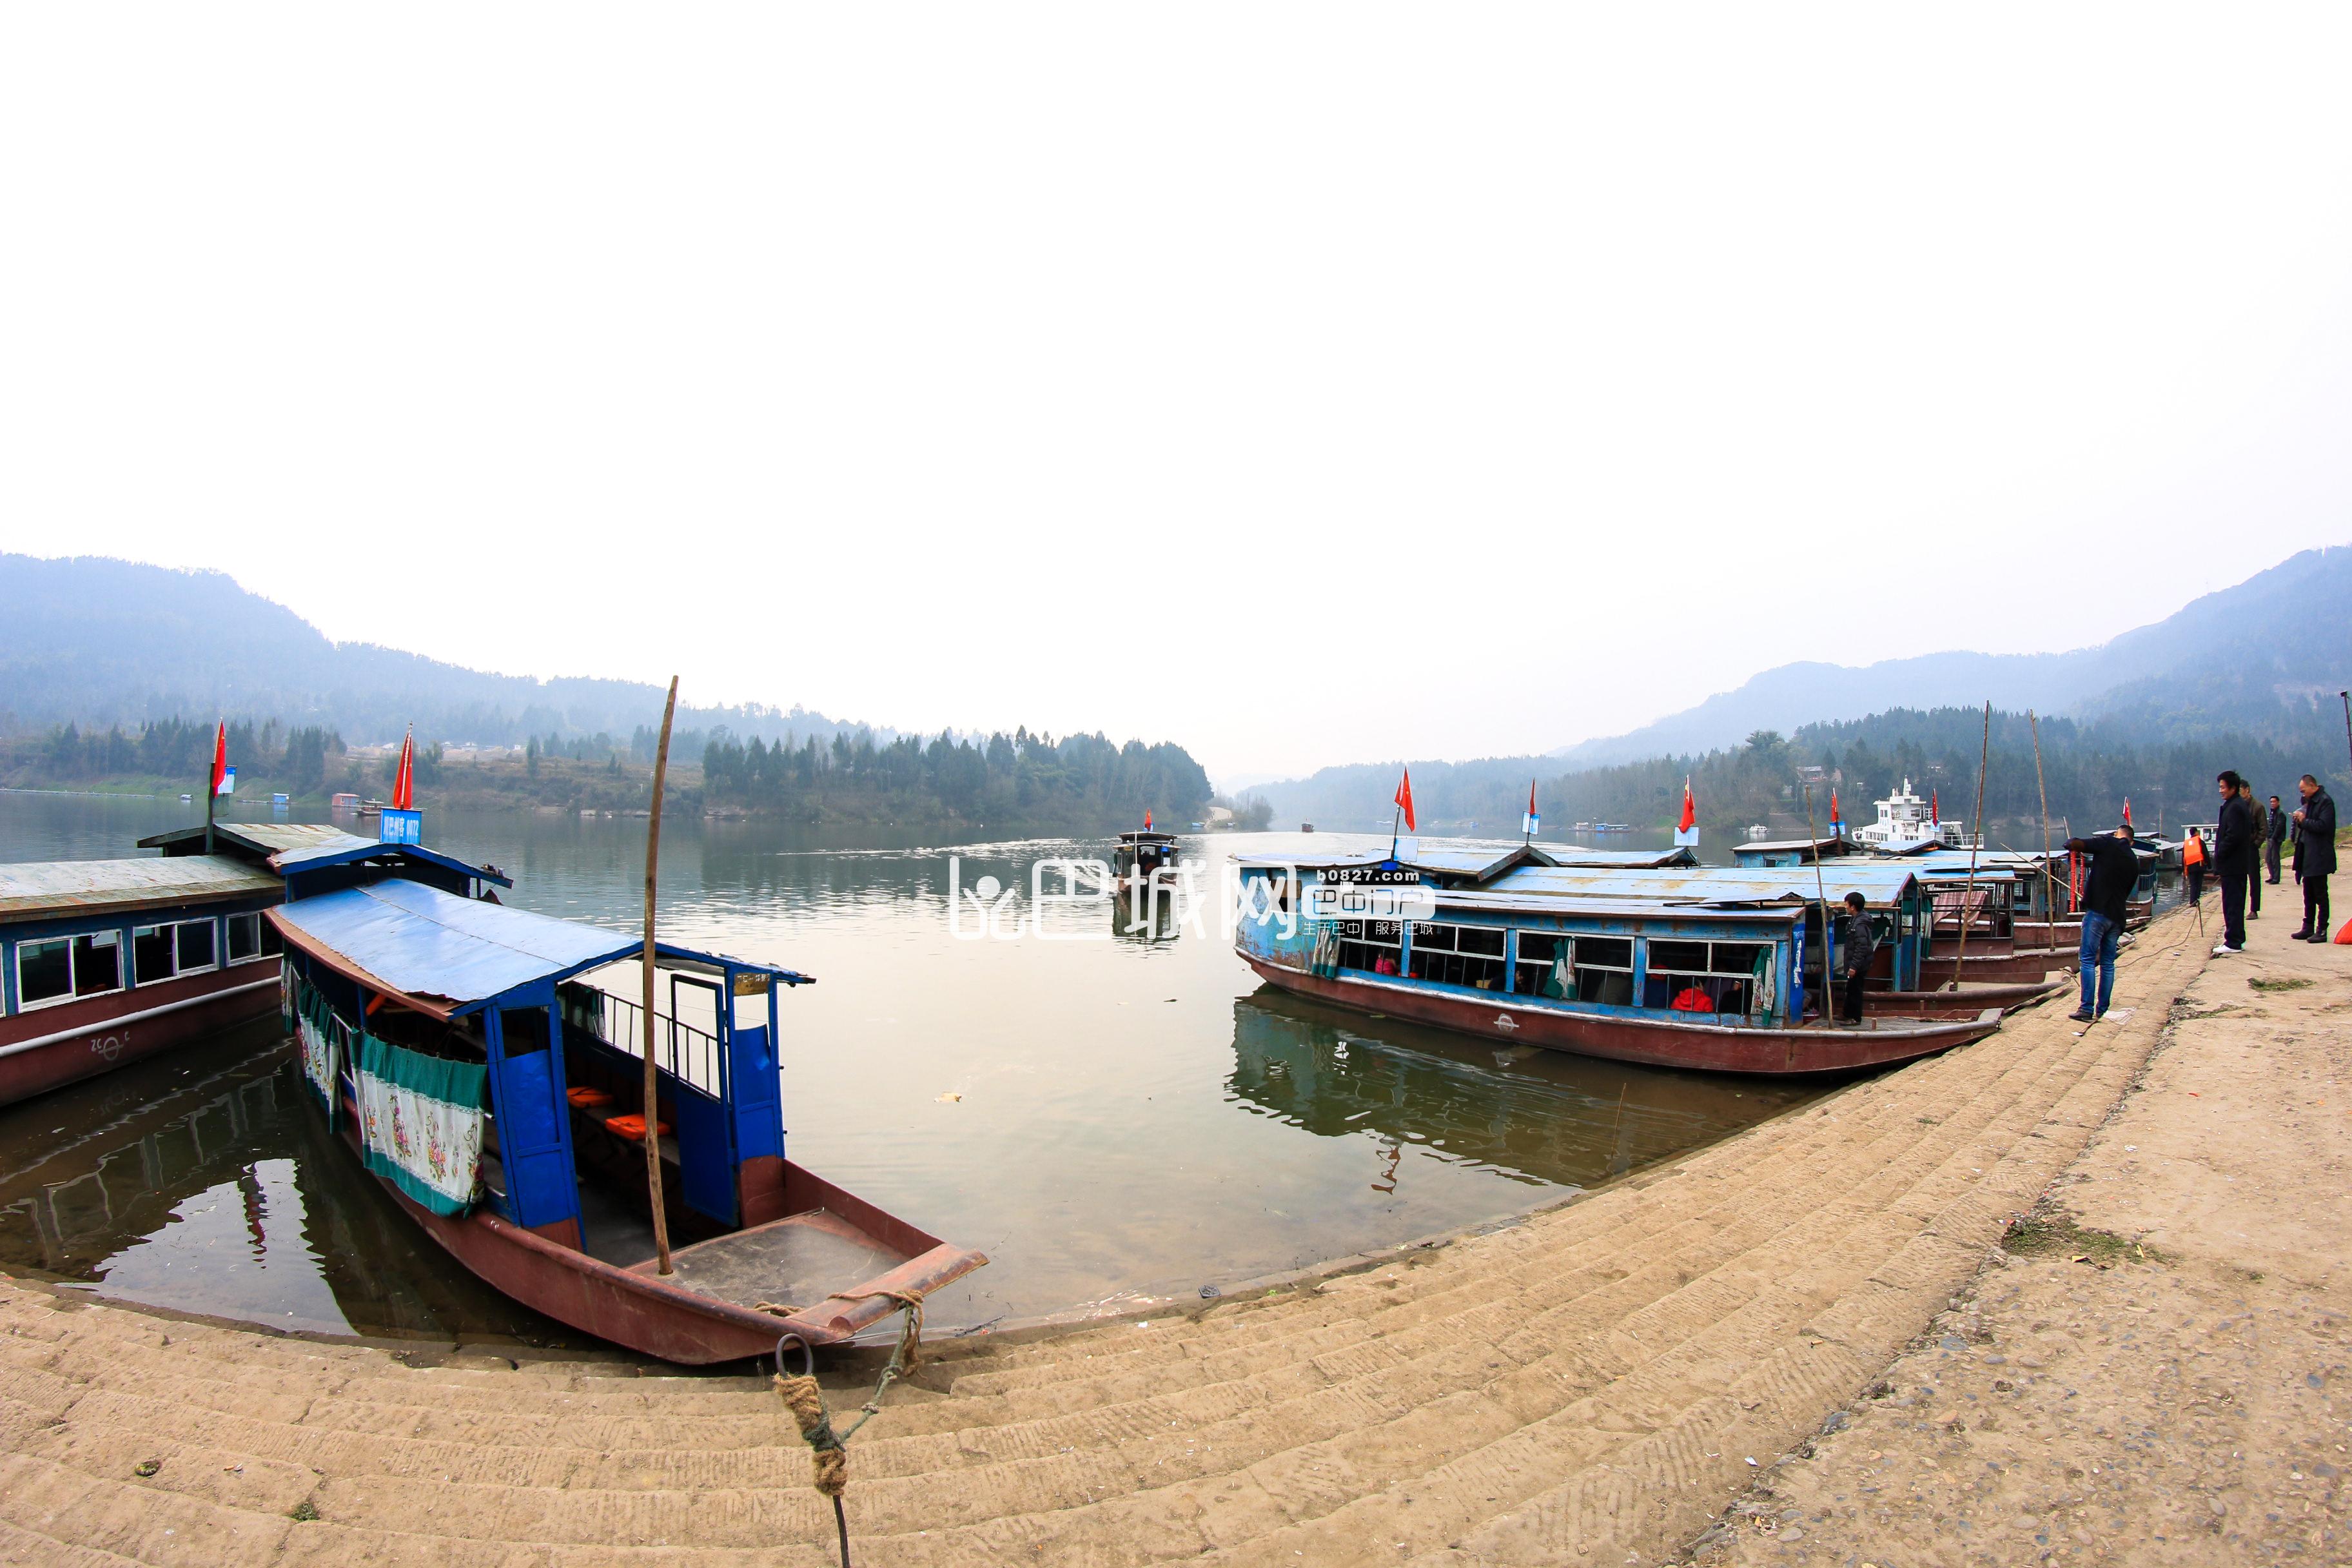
x=1690, y=808
x=1935, y=809
x=403, y=780
x=2127, y=811
x=1404, y=801
x=1833, y=815
x=1147, y=819
x=220, y=757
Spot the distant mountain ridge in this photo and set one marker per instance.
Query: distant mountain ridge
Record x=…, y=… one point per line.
x=2290, y=625
x=96, y=641
x=2262, y=661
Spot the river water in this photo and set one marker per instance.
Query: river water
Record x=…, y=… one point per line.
x=1113, y=1117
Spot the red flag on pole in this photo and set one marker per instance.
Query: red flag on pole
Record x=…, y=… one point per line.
x=1833, y=815
x=2127, y=821
x=1935, y=807
x=403, y=780
x=1690, y=808
x=1404, y=801
x=220, y=757
x=1147, y=819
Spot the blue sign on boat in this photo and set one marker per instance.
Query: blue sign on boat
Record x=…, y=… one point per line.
x=399, y=826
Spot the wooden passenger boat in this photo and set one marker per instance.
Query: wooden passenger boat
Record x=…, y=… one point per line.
x=431, y=1021
x=103, y=963
x=1705, y=968
x=1140, y=855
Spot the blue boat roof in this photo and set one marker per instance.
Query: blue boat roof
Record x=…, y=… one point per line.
x=1881, y=883
x=290, y=861
x=1481, y=862
x=448, y=955
x=445, y=954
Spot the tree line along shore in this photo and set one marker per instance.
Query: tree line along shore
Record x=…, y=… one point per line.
x=1075, y=782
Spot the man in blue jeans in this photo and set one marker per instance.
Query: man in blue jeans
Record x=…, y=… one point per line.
x=2113, y=871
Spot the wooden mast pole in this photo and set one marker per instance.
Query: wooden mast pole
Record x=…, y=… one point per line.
x=653, y=1079
x=1976, y=846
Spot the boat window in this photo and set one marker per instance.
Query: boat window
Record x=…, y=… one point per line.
x=244, y=938
x=1603, y=967
x=195, y=944
x=151, y=955
x=98, y=963
x=1705, y=976
x=1538, y=951
x=44, y=972
x=272, y=943
x=1368, y=944
x=1458, y=955
x=522, y=1030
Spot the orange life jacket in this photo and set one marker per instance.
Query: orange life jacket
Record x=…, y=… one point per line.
x=2192, y=853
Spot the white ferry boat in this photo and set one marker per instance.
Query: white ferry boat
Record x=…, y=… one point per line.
x=1907, y=824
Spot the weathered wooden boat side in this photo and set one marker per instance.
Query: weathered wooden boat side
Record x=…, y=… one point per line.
x=105, y=962
x=1659, y=1041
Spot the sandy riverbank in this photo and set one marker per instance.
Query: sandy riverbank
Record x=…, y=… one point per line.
x=2156, y=1370
x=1587, y=1385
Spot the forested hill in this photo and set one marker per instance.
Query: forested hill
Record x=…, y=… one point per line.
x=2089, y=768
x=99, y=643
x=2225, y=661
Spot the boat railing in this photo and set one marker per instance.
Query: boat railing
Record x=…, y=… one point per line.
x=688, y=1054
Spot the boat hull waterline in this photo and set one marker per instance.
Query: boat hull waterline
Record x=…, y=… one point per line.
x=1663, y=1042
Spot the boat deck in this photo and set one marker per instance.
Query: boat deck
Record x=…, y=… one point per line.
x=793, y=1262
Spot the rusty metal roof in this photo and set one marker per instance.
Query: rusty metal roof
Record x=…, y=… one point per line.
x=34, y=889
x=263, y=839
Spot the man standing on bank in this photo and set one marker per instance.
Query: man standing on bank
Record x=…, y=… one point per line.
x=2314, y=857
x=2113, y=872
x=2233, y=859
x=1860, y=947
x=2276, y=818
x=2259, y=828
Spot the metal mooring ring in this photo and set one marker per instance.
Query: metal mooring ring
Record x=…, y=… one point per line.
x=810, y=1355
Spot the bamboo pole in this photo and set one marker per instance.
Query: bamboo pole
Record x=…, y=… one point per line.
x=1821, y=891
x=653, y=1079
x=2048, y=882
x=1976, y=846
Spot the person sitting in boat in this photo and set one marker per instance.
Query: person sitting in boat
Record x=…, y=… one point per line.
x=1693, y=999
x=1384, y=964
x=1861, y=946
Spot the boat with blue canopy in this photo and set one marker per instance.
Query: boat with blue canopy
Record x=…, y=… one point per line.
x=1716, y=968
x=471, y=1057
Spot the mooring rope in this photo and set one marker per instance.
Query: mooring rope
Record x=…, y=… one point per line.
x=828, y=1456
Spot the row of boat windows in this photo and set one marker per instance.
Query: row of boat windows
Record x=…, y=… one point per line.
x=59, y=969
x=1690, y=976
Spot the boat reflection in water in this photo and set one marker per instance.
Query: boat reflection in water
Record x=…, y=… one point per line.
x=200, y=1182
x=1540, y=1117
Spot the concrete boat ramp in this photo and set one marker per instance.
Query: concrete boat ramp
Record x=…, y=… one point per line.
x=1588, y=1386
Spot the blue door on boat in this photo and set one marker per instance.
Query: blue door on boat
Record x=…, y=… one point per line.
x=705, y=1132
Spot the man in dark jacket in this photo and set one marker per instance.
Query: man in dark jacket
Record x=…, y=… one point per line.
x=2113, y=872
x=2233, y=858
x=2261, y=832
x=2315, y=854
x=2275, y=818
x=1861, y=946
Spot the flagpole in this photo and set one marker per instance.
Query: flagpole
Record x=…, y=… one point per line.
x=211, y=785
x=1393, y=823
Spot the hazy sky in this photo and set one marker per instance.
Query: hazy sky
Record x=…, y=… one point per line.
x=1304, y=385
